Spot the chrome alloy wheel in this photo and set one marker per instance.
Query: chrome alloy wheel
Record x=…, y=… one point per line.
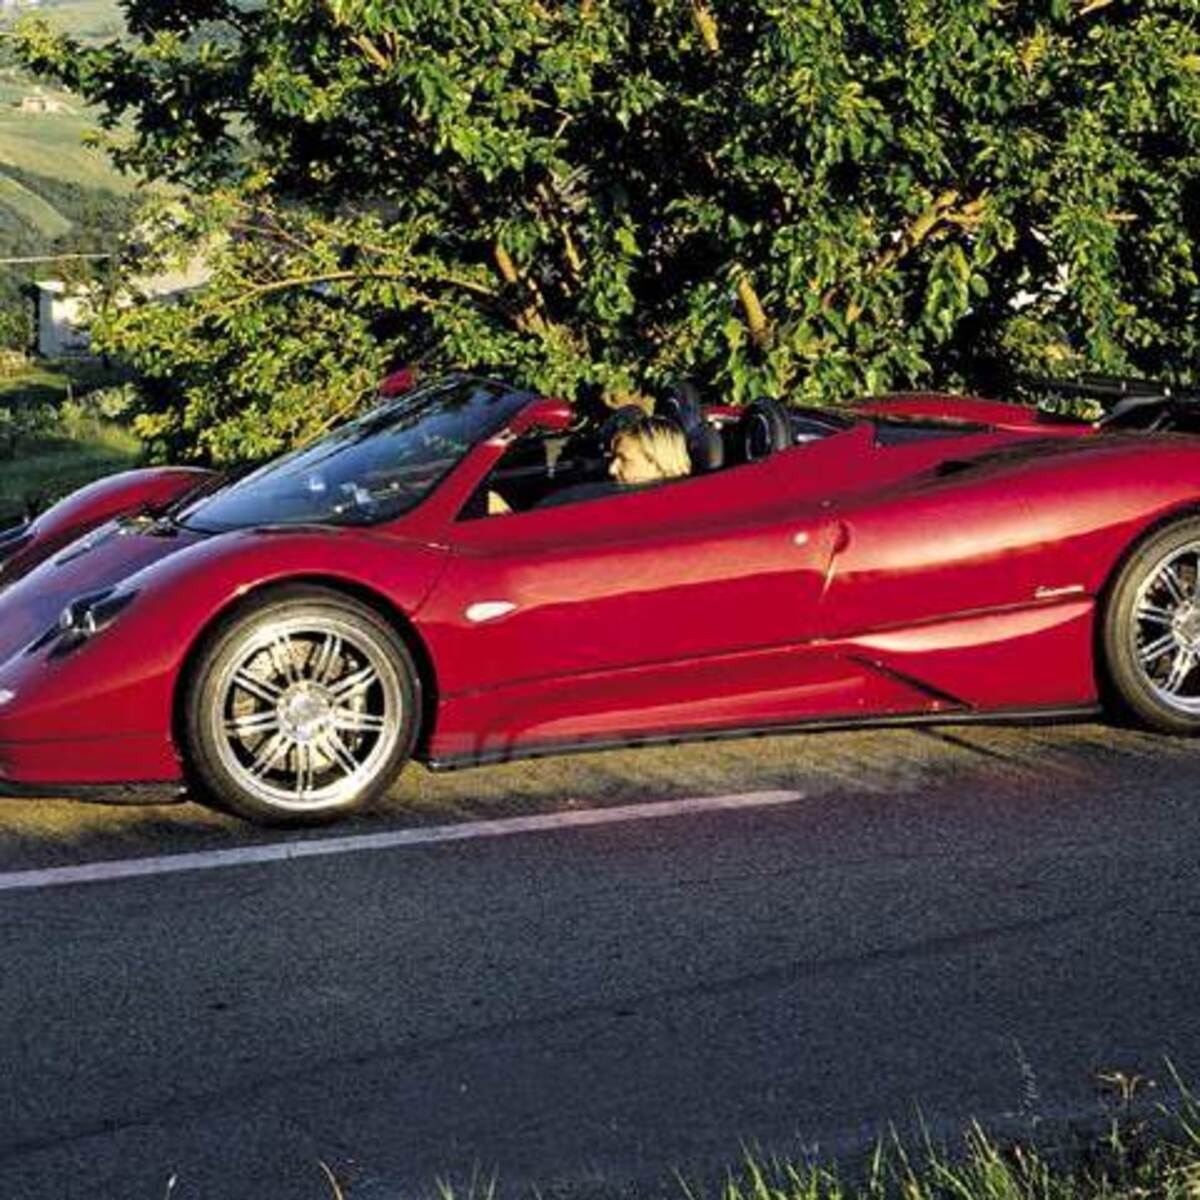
x=1165, y=631
x=308, y=711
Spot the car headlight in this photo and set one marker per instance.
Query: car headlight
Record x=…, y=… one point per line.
x=84, y=618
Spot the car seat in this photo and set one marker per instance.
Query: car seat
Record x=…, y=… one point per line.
x=683, y=406
x=706, y=447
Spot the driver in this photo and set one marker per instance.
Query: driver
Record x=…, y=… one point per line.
x=646, y=452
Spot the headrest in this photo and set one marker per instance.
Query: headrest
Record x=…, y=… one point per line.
x=682, y=406
x=764, y=429
x=706, y=448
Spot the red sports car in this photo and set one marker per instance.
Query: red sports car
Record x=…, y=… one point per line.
x=283, y=641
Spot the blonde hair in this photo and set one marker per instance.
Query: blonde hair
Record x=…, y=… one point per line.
x=662, y=442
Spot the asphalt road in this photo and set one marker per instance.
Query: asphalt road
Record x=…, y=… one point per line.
x=583, y=1009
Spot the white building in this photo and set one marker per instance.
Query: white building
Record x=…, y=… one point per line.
x=62, y=315
x=63, y=311
x=40, y=104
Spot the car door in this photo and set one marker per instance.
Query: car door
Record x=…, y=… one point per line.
x=641, y=613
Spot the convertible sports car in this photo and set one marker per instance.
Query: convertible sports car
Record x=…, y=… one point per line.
x=283, y=641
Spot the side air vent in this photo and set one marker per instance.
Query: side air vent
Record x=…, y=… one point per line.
x=952, y=466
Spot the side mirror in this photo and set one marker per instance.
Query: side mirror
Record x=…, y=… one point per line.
x=399, y=382
x=546, y=415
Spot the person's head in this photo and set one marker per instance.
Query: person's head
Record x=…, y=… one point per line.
x=649, y=450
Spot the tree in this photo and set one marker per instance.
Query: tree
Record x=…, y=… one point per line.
x=806, y=199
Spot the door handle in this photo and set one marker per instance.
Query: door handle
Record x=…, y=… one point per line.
x=841, y=537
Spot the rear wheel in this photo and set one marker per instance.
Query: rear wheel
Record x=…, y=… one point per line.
x=302, y=708
x=1152, y=630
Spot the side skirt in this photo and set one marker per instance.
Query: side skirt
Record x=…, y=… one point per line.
x=1026, y=716
x=133, y=794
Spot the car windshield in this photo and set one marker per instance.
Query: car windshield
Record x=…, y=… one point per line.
x=370, y=470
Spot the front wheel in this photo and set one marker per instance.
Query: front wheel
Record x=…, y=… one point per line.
x=302, y=707
x=1152, y=630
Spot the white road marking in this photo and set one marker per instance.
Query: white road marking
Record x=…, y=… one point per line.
x=211, y=860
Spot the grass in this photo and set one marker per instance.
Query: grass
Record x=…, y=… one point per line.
x=1127, y=1155
x=37, y=385
x=1131, y=1159
x=44, y=383
x=82, y=448
x=40, y=213
x=51, y=469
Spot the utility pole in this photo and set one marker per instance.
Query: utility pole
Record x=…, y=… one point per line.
x=48, y=258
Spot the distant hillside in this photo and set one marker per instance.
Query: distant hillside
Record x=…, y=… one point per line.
x=50, y=142
x=83, y=18
x=52, y=186
x=41, y=216
x=42, y=129
x=57, y=195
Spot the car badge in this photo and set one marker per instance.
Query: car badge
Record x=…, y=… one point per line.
x=1048, y=593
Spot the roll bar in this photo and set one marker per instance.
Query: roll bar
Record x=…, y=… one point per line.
x=1121, y=396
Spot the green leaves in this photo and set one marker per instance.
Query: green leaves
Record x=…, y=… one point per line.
x=917, y=194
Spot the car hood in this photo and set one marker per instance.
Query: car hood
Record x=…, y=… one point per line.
x=99, y=560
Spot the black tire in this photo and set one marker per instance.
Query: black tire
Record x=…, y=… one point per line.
x=1150, y=637
x=302, y=706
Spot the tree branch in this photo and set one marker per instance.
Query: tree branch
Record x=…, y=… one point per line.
x=706, y=25
x=372, y=52
x=308, y=281
x=756, y=317
x=530, y=317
